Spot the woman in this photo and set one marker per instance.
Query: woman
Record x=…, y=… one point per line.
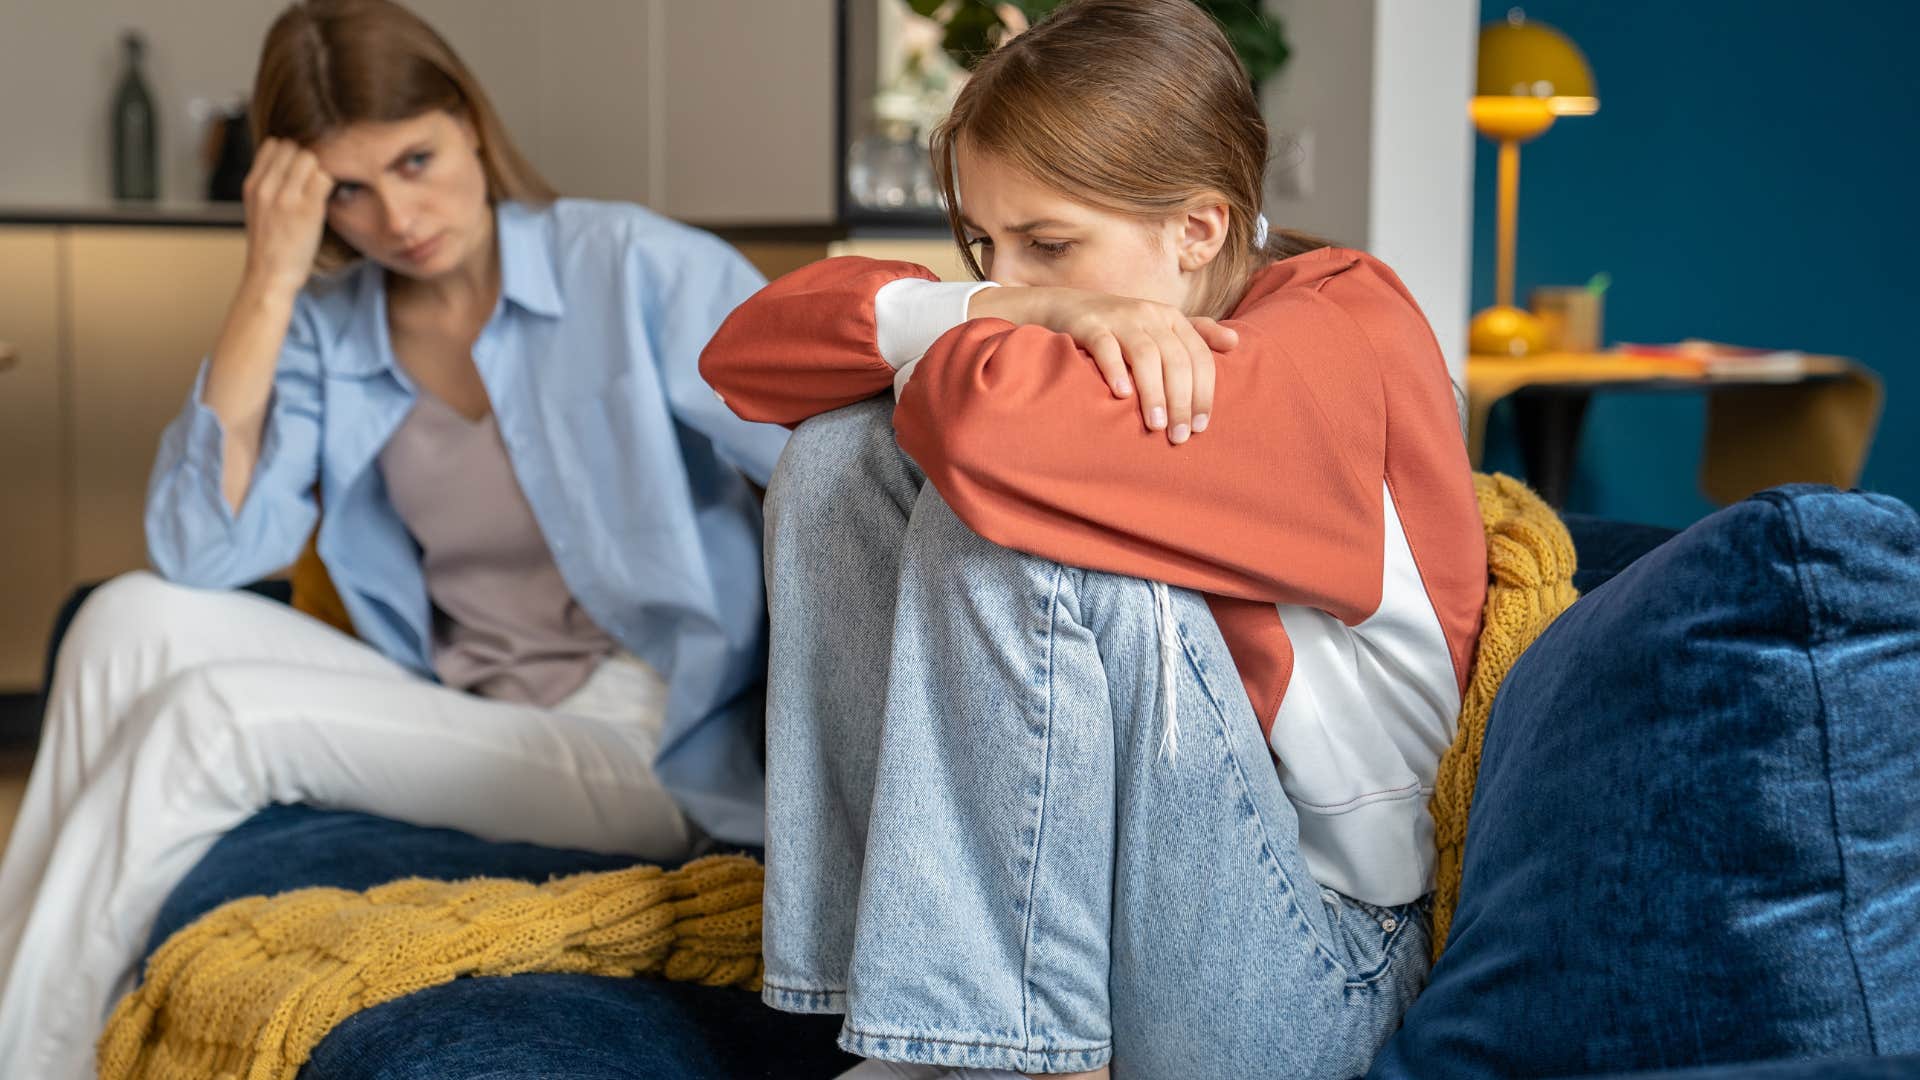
x=1042, y=629
x=533, y=510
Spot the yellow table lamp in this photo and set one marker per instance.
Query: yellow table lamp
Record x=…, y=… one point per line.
x=1530, y=74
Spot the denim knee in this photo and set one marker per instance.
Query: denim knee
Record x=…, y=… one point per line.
x=950, y=557
x=827, y=450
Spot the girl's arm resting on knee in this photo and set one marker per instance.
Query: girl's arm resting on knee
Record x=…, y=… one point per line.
x=1281, y=502
x=811, y=342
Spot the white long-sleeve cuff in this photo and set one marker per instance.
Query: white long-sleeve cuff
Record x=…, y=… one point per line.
x=910, y=314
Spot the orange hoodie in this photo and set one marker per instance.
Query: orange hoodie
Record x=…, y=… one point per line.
x=1327, y=513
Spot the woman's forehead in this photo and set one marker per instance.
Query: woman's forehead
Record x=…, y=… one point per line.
x=371, y=145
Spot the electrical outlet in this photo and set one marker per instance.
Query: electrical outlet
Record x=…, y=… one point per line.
x=1290, y=175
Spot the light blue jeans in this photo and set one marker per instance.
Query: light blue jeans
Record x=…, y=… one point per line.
x=978, y=847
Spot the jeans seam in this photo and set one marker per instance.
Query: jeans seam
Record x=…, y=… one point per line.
x=1320, y=944
x=1040, y=822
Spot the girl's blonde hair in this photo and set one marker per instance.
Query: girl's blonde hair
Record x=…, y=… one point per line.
x=1135, y=106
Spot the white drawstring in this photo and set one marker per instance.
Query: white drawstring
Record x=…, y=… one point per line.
x=1169, y=643
x=1260, y=232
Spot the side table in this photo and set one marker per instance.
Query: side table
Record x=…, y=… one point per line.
x=1811, y=425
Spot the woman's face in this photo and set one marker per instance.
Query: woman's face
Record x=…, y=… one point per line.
x=1024, y=233
x=411, y=194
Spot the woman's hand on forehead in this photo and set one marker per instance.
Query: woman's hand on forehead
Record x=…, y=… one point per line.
x=285, y=195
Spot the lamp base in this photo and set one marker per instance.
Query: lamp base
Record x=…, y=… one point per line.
x=1506, y=331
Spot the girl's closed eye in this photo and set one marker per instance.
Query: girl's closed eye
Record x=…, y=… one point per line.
x=1053, y=249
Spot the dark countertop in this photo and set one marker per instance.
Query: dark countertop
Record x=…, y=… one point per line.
x=231, y=215
x=191, y=214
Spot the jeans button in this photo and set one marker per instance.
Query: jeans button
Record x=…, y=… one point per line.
x=1389, y=924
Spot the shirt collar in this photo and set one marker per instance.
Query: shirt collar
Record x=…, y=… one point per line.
x=526, y=259
x=526, y=280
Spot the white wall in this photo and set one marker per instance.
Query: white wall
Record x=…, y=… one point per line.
x=59, y=66
x=1420, y=184
x=1323, y=96
x=1380, y=89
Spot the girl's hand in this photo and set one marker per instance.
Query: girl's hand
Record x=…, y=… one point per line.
x=1169, y=353
x=286, y=199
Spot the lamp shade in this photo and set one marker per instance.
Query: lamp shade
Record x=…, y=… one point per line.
x=1522, y=59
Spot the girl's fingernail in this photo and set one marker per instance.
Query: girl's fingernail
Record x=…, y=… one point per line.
x=1179, y=434
x=1200, y=422
x=1123, y=386
x=1157, y=419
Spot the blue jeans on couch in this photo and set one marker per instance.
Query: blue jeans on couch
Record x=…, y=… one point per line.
x=1021, y=815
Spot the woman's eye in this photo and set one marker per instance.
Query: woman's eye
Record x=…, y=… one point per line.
x=1052, y=250
x=979, y=242
x=343, y=193
x=418, y=161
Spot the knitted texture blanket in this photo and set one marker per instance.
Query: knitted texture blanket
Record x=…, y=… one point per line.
x=251, y=988
x=1530, y=564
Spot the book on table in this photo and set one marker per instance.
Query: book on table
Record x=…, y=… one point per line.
x=1716, y=360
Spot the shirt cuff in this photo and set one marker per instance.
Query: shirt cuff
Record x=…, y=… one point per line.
x=206, y=441
x=910, y=314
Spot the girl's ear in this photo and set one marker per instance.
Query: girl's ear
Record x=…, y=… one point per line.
x=1201, y=231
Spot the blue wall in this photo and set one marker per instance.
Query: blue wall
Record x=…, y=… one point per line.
x=1753, y=176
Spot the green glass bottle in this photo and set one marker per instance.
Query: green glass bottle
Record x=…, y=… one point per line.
x=136, y=172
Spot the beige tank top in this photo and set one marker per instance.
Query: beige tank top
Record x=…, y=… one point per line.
x=505, y=625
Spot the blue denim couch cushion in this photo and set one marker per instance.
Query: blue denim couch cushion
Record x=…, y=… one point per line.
x=576, y=1026
x=1696, y=834
x=1605, y=547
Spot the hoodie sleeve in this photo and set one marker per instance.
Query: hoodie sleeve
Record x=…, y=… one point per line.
x=824, y=336
x=1280, y=501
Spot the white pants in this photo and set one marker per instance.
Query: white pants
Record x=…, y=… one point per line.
x=177, y=713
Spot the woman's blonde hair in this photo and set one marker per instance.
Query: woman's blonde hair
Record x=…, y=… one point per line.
x=330, y=63
x=1136, y=106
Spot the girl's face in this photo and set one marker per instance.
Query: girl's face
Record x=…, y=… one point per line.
x=1023, y=233
x=411, y=194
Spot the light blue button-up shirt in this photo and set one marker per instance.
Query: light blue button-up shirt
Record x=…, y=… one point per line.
x=632, y=465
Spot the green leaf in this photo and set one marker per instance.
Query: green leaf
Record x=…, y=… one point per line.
x=1258, y=38
x=1035, y=10
x=971, y=32
x=974, y=27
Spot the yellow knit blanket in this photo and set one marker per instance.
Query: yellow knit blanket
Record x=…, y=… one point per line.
x=250, y=989
x=1530, y=564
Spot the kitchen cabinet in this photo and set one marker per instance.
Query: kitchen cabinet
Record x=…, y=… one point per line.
x=145, y=307
x=105, y=328
x=35, y=522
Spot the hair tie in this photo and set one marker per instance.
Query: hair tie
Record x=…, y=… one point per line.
x=1260, y=232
